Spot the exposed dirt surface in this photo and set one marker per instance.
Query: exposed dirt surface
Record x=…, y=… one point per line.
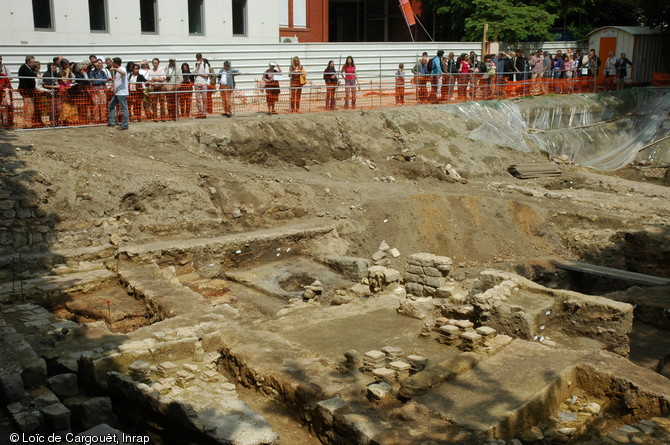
x=200, y=229
x=163, y=180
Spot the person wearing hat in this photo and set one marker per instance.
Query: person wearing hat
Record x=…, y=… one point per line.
x=226, y=78
x=271, y=86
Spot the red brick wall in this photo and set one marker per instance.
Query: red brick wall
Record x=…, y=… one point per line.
x=317, y=23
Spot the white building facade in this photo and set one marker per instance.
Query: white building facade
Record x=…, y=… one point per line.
x=130, y=22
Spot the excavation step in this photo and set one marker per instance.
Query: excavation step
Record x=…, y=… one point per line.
x=292, y=233
x=52, y=285
x=648, y=280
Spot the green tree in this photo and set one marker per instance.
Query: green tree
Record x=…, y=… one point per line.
x=508, y=22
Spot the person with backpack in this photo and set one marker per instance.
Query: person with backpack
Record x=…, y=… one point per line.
x=435, y=75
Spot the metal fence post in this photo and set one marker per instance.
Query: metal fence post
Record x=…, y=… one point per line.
x=53, y=109
x=380, y=83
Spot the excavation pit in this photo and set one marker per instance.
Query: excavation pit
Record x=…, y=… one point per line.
x=220, y=242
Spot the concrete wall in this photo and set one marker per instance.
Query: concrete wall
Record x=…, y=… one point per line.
x=70, y=20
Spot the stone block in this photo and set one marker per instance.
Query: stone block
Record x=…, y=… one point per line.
x=11, y=387
x=394, y=253
x=414, y=289
x=383, y=246
x=351, y=267
x=450, y=330
x=463, y=324
x=414, y=308
x=380, y=391
x=361, y=290
x=434, y=282
x=399, y=365
x=376, y=271
x=432, y=271
x=64, y=385
x=444, y=292
x=328, y=408
x=383, y=374
x=429, y=291
x=471, y=337
x=6, y=205
x=88, y=412
x=424, y=259
x=102, y=430
x=416, y=270
x=57, y=416
x=27, y=421
x=34, y=374
x=414, y=278
x=374, y=355
x=378, y=255
x=485, y=331
x=391, y=276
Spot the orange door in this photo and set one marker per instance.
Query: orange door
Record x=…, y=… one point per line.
x=607, y=44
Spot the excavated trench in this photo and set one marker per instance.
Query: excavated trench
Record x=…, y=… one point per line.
x=233, y=301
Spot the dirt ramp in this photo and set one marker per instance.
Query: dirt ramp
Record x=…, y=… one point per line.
x=473, y=228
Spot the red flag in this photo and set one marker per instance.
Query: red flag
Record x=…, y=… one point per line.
x=407, y=12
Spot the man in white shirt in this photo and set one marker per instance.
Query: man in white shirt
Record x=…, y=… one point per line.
x=155, y=82
x=120, y=94
x=201, y=84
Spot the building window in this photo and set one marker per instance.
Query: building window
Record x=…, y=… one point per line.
x=283, y=13
x=148, y=16
x=239, y=17
x=195, y=17
x=299, y=14
x=97, y=14
x=42, y=14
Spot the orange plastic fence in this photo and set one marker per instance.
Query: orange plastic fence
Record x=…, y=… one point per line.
x=89, y=106
x=660, y=79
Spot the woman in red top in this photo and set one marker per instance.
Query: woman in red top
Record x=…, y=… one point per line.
x=350, y=81
x=463, y=80
x=295, y=73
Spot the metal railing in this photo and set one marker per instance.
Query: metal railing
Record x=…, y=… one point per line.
x=84, y=105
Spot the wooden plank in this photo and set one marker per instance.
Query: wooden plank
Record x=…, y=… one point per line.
x=648, y=280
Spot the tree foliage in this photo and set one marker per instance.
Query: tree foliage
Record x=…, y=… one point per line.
x=536, y=20
x=508, y=22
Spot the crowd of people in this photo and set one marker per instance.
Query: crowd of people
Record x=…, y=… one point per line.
x=89, y=92
x=445, y=77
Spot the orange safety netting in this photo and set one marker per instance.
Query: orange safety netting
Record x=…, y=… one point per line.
x=86, y=105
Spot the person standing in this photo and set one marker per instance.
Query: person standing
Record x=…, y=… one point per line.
x=298, y=80
x=519, y=65
x=620, y=65
x=271, y=85
x=6, y=103
x=330, y=77
x=226, y=79
x=170, y=88
x=435, y=77
x=464, y=76
x=400, y=85
x=98, y=82
x=120, y=97
x=27, y=91
x=201, y=84
x=185, y=90
x=610, y=65
x=350, y=81
x=155, y=83
x=136, y=90
x=421, y=72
